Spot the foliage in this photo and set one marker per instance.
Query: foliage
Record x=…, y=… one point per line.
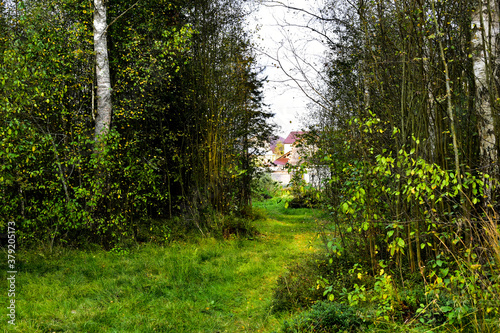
x=388, y=212
x=231, y=226
x=402, y=128
x=159, y=160
x=306, y=197
x=303, y=194
x=296, y=288
x=264, y=187
x=279, y=149
x=326, y=317
x=224, y=285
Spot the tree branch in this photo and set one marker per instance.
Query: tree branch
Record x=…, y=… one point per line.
x=106, y=30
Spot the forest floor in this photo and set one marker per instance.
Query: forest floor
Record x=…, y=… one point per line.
x=200, y=285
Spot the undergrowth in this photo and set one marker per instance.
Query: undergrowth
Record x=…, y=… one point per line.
x=185, y=284
x=326, y=317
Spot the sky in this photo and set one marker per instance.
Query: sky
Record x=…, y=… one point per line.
x=277, y=39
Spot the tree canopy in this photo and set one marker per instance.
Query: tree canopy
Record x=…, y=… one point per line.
x=186, y=102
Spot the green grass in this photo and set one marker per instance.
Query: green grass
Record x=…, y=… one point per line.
x=203, y=285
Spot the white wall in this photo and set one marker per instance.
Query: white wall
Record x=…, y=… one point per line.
x=282, y=177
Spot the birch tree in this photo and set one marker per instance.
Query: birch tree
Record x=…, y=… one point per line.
x=104, y=106
x=486, y=27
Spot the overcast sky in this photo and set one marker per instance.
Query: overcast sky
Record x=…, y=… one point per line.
x=276, y=38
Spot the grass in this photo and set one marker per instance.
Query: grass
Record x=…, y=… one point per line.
x=202, y=285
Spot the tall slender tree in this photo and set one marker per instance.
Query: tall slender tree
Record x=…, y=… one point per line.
x=103, y=78
x=486, y=28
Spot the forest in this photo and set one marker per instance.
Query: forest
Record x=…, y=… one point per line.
x=130, y=132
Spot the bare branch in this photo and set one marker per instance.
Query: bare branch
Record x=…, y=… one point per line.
x=275, y=3
x=121, y=15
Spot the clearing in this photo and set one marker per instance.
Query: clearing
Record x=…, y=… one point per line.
x=205, y=285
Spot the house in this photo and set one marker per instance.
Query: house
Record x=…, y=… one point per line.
x=266, y=155
x=292, y=157
x=280, y=163
x=291, y=139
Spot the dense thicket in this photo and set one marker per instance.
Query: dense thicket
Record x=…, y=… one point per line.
x=407, y=131
x=187, y=112
x=403, y=81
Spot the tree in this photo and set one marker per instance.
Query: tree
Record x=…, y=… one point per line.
x=486, y=29
x=186, y=107
x=404, y=77
x=279, y=149
x=103, y=79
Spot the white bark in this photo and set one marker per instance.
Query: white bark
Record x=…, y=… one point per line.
x=486, y=27
x=104, y=106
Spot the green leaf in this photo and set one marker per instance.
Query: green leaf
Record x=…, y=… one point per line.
x=401, y=242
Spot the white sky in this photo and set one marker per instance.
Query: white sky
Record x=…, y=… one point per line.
x=275, y=38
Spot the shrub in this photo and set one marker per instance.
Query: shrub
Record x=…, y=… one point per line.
x=233, y=225
x=326, y=317
x=264, y=187
x=297, y=287
x=304, y=195
x=308, y=198
x=155, y=230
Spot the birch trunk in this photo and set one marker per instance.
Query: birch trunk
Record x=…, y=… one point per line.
x=104, y=106
x=486, y=28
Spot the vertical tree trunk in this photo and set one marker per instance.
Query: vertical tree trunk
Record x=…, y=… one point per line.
x=486, y=28
x=104, y=106
x=449, y=102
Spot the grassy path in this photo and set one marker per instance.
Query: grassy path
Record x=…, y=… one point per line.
x=206, y=286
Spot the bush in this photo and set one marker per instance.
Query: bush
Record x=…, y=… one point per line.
x=296, y=289
x=306, y=199
x=326, y=317
x=155, y=230
x=304, y=195
x=264, y=187
x=237, y=226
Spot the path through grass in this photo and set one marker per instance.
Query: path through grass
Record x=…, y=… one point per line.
x=202, y=286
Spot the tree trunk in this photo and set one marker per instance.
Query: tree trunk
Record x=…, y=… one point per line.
x=104, y=106
x=486, y=28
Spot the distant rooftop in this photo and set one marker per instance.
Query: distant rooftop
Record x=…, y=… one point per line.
x=290, y=139
x=281, y=161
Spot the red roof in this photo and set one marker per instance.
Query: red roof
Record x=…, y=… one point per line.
x=281, y=161
x=290, y=139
